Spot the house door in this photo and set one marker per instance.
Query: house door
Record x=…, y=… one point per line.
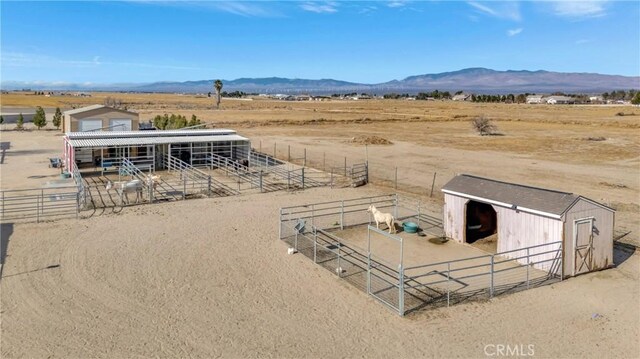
x=583, y=244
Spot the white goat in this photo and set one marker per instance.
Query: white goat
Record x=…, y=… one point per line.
x=153, y=180
x=382, y=218
x=125, y=188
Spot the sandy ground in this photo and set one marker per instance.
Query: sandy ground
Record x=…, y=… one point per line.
x=209, y=278
x=197, y=278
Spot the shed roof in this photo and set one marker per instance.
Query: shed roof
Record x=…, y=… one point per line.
x=91, y=108
x=148, y=140
x=521, y=197
x=158, y=133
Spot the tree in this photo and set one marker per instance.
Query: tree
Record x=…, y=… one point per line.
x=217, y=85
x=636, y=99
x=39, y=119
x=57, y=118
x=483, y=125
x=20, y=122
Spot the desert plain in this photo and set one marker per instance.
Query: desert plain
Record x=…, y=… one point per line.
x=209, y=278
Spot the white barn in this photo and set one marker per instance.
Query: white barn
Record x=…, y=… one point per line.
x=524, y=216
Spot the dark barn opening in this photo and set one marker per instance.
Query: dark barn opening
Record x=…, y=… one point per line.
x=481, y=222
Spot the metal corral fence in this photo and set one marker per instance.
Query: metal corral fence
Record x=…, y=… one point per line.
x=39, y=203
x=406, y=177
x=309, y=230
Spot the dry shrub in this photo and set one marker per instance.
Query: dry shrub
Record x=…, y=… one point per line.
x=484, y=126
x=370, y=140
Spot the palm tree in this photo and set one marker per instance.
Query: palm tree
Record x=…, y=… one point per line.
x=217, y=85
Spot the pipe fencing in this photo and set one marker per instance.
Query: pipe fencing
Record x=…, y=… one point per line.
x=39, y=203
x=309, y=229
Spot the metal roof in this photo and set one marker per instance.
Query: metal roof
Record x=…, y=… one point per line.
x=157, y=133
x=147, y=140
x=516, y=196
x=93, y=107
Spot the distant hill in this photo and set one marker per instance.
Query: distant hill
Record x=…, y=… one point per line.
x=479, y=80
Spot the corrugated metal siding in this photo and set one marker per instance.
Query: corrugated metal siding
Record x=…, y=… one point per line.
x=140, y=141
x=454, y=217
x=602, y=237
x=159, y=133
x=518, y=230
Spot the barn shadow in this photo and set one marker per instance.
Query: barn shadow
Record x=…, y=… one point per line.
x=6, y=230
x=622, y=251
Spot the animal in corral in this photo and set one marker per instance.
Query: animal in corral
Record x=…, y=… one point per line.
x=126, y=187
x=381, y=217
x=153, y=180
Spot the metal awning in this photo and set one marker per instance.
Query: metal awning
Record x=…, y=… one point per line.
x=157, y=133
x=148, y=140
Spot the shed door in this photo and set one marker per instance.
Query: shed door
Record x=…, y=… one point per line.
x=120, y=124
x=89, y=125
x=583, y=244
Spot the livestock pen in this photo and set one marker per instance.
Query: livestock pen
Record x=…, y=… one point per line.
x=405, y=271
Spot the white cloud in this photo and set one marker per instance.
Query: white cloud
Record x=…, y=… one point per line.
x=242, y=8
x=502, y=10
x=579, y=9
x=514, y=32
x=18, y=59
x=320, y=8
x=396, y=3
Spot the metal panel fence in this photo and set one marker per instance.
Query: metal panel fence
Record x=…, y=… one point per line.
x=39, y=203
x=386, y=172
x=308, y=229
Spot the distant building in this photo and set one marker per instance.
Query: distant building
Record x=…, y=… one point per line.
x=559, y=100
x=596, y=99
x=534, y=99
x=462, y=97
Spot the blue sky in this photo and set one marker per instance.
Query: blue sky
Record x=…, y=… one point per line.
x=370, y=42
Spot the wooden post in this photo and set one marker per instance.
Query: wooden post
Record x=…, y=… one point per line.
x=289, y=153
x=345, y=166
x=433, y=183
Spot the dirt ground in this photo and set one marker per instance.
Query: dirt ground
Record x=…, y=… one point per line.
x=208, y=277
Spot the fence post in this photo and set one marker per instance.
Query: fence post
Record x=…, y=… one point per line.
x=368, y=261
x=491, y=279
x=261, y=182
x=288, y=179
x=304, y=162
x=342, y=214
x=295, y=243
x=345, y=166
x=339, y=270
x=396, y=179
x=209, y=186
x=433, y=183
x=528, y=264
x=288, y=153
x=38, y=208
x=302, y=177
x=77, y=205
x=395, y=208
x=260, y=148
x=274, y=149
x=401, y=291
x=448, y=282
x=315, y=245
x=2, y=204
x=184, y=187
x=561, y=261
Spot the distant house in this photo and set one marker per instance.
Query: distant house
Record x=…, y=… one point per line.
x=533, y=99
x=559, y=100
x=596, y=99
x=462, y=97
x=99, y=117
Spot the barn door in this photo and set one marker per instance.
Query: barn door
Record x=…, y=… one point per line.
x=583, y=244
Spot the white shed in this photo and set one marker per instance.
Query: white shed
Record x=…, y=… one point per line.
x=524, y=216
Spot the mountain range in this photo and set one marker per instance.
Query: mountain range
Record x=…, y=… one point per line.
x=478, y=80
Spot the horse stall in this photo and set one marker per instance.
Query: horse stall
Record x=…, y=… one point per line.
x=520, y=220
x=405, y=270
x=150, y=165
